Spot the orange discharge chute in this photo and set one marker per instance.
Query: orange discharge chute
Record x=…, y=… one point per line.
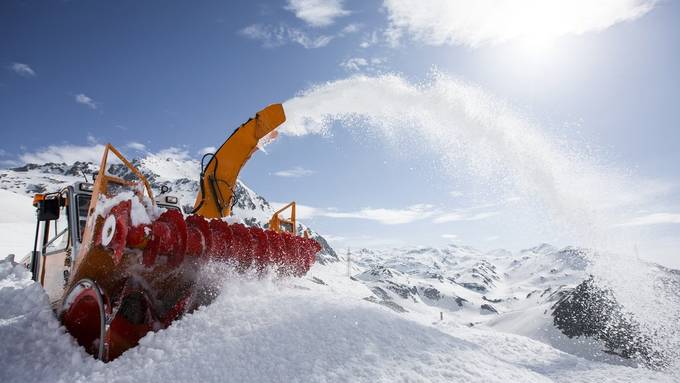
x=218, y=177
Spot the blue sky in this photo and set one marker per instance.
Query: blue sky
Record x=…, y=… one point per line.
x=593, y=86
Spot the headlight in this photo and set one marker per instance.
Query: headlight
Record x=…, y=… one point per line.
x=170, y=199
x=86, y=187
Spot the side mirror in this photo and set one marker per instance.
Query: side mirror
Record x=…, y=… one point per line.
x=48, y=209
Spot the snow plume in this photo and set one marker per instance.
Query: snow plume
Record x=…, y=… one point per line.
x=477, y=22
x=474, y=133
x=566, y=194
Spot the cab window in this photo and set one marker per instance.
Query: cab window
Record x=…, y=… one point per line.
x=83, y=204
x=58, y=237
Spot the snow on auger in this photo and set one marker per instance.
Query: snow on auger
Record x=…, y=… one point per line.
x=125, y=263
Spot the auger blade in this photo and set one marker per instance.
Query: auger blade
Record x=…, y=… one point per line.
x=147, y=273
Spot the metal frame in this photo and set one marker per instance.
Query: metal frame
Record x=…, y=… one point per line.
x=276, y=221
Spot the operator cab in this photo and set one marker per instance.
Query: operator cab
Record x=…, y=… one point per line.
x=61, y=220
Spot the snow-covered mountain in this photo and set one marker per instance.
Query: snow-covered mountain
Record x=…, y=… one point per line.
x=407, y=314
x=178, y=174
x=543, y=293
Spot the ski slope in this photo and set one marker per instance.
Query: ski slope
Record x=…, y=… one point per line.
x=284, y=331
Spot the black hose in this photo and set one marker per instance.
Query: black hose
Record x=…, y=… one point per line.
x=201, y=182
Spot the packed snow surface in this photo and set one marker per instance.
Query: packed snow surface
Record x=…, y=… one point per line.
x=266, y=330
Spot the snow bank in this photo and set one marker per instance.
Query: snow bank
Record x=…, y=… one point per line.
x=290, y=330
x=17, y=224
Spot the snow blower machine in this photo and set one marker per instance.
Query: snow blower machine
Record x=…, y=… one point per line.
x=117, y=263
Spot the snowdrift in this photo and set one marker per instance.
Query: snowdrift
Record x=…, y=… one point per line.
x=280, y=331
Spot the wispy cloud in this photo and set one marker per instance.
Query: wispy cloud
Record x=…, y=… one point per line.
x=388, y=216
x=64, y=154
x=474, y=23
x=381, y=215
x=136, y=145
x=295, y=172
x=464, y=216
x=85, y=100
x=206, y=150
x=653, y=219
x=449, y=236
x=22, y=69
x=272, y=36
x=333, y=238
x=317, y=13
x=356, y=64
x=370, y=39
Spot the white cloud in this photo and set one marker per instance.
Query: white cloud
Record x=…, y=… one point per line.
x=456, y=193
x=653, y=219
x=271, y=36
x=492, y=238
x=464, y=216
x=449, y=236
x=317, y=13
x=333, y=238
x=206, y=150
x=351, y=28
x=64, y=154
x=388, y=216
x=22, y=70
x=354, y=63
x=384, y=216
x=370, y=39
x=295, y=172
x=85, y=100
x=136, y=145
x=476, y=22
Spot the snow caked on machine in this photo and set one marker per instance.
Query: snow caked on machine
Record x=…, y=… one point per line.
x=117, y=262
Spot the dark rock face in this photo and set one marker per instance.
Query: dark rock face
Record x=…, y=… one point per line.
x=403, y=291
x=460, y=301
x=474, y=286
x=387, y=303
x=592, y=311
x=432, y=293
x=489, y=308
